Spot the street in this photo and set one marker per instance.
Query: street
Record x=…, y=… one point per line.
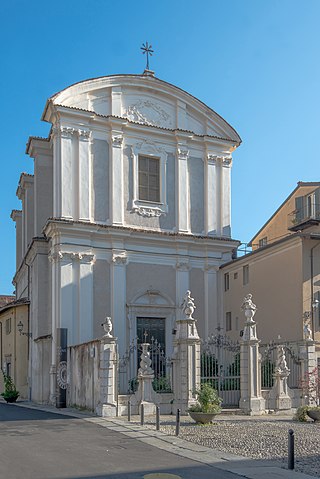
x=41, y=445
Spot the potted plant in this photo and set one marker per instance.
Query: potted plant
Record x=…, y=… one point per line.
x=208, y=404
x=10, y=393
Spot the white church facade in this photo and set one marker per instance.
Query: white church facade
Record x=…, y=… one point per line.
x=128, y=208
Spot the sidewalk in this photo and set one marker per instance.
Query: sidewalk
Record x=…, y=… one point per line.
x=239, y=465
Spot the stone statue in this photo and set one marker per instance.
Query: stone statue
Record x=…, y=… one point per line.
x=249, y=308
x=107, y=326
x=307, y=333
x=281, y=366
x=145, y=361
x=188, y=305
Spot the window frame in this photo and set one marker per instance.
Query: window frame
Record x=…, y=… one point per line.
x=148, y=158
x=228, y=321
x=245, y=275
x=226, y=281
x=145, y=207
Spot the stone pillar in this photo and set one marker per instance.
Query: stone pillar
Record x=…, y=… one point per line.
x=251, y=400
x=279, y=396
x=145, y=394
x=116, y=178
x=307, y=352
x=107, y=405
x=186, y=357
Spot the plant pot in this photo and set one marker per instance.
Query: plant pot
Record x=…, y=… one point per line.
x=314, y=414
x=202, y=417
x=11, y=399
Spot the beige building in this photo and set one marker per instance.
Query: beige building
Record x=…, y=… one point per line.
x=14, y=350
x=282, y=272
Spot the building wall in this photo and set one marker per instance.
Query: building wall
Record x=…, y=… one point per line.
x=14, y=347
x=275, y=281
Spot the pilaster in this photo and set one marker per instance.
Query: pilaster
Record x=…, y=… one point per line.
x=226, y=196
x=118, y=297
x=85, y=179
x=182, y=182
x=116, y=177
x=211, y=199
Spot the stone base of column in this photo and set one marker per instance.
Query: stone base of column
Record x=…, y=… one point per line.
x=106, y=410
x=145, y=395
x=253, y=406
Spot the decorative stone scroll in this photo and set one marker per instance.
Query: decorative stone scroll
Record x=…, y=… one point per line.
x=117, y=141
x=183, y=153
x=148, y=212
x=71, y=256
x=119, y=259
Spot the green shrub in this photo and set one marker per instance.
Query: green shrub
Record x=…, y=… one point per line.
x=208, y=400
x=10, y=393
x=301, y=414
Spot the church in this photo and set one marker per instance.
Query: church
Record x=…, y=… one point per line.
x=127, y=209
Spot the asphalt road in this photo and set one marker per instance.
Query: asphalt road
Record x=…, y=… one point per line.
x=40, y=445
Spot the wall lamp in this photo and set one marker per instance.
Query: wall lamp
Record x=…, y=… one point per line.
x=20, y=329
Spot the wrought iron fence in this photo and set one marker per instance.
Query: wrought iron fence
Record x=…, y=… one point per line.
x=128, y=365
x=220, y=366
x=268, y=363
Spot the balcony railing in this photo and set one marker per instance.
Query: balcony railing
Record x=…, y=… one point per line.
x=304, y=217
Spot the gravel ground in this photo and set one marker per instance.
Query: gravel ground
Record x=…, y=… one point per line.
x=255, y=438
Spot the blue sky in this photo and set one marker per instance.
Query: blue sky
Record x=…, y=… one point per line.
x=255, y=62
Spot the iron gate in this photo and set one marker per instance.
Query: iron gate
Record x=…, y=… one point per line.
x=128, y=366
x=269, y=359
x=220, y=366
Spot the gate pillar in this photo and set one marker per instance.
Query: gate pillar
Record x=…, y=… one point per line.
x=107, y=405
x=251, y=400
x=186, y=358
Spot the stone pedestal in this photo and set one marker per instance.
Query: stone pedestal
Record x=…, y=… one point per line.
x=107, y=405
x=145, y=394
x=280, y=395
x=186, y=359
x=251, y=400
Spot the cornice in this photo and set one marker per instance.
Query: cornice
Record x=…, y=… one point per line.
x=56, y=227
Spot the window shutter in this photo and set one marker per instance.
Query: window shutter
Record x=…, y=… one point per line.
x=299, y=209
x=317, y=204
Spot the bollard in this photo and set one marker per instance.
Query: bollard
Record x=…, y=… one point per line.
x=178, y=422
x=157, y=418
x=291, y=449
x=129, y=411
x=142, y=414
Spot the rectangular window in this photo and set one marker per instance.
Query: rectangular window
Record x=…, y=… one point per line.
x=226, y=282
x=149, y=179
x=263, y=241
x=8, y=326
x=228, y=321
x=245, y=274
x=235, y=276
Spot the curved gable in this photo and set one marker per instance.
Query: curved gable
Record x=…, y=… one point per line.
x=147, y=100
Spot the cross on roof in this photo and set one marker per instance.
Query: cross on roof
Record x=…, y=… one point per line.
x=146, y=48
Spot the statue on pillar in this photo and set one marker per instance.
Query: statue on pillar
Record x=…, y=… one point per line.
x=307, y=333
x=107, y=326
x=188, y=305
x=249, y=308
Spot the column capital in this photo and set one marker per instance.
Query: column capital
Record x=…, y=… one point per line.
x=117, y=141
x=119, y=258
